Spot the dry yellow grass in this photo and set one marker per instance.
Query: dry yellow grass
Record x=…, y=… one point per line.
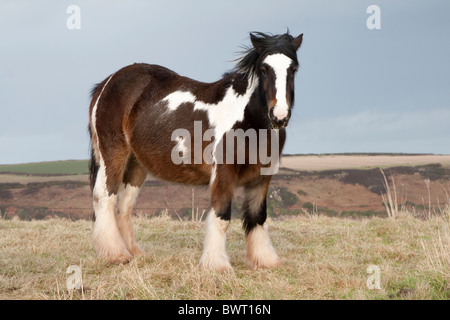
x=324, y=258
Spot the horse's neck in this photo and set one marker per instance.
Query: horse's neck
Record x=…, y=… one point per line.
x=253, y=83
x=244, y=86
x=256, y=108
x=251, y=93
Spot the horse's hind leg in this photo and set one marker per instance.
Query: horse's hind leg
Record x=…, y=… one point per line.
x=260, y=251
x=107, y=238
x=133, y=179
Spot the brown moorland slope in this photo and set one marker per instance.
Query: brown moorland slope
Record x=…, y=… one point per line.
x=333, y=185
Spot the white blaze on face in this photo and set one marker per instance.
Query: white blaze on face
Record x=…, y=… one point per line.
x=280, y=64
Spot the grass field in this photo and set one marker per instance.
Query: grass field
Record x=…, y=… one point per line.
x=48, y=168
x=324, y=258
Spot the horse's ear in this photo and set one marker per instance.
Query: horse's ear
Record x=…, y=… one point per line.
x=257, y=44
x=297, y=42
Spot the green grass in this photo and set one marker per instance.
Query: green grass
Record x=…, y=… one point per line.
x=68, y=167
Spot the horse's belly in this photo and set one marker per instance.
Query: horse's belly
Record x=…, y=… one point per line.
x=196, y=174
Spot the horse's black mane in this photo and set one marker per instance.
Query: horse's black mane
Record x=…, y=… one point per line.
x=267, y=44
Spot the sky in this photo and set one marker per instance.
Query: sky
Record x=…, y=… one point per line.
x=357, y=89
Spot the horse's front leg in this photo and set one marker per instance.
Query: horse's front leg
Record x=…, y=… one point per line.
x=223, y=184
x=260, y=251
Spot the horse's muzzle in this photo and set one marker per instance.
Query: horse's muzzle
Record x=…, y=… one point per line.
x=278, y=123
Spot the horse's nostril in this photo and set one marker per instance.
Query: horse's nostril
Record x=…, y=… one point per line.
x=276, y=123
x=272, y=117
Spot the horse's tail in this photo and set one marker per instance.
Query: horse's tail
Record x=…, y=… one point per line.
x=93, y=165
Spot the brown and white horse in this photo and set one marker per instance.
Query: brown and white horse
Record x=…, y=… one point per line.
x=133, y=115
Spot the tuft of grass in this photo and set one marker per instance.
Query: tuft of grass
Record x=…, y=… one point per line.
x=390, y=197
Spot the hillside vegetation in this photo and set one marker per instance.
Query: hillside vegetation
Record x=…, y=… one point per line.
x=340, y=192
x=67, y=167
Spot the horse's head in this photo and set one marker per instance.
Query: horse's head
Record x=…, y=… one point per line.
x=276, y=67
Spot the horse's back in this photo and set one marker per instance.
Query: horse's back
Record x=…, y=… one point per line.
x=130, y=117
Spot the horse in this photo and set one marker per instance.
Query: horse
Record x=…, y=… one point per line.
x=133, y=115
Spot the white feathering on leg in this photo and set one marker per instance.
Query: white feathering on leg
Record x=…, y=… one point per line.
x=260, y=251
x=107, y=239
x=126, y=198
x=214, y=253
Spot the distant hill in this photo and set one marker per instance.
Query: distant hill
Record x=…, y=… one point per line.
x=70, y=167
x=333, y=185
x=66, y=167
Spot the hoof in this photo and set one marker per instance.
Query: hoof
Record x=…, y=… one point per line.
x=118, y=258
x=116, y=255
x=260, y=251
x=136, y=251
x=265, y=262
x=221, y=264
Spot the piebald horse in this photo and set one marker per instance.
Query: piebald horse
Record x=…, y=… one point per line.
x=133, y=115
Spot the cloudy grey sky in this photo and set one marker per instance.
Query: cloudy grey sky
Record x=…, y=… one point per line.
x=358, y=90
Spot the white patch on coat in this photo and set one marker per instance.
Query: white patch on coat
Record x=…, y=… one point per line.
x=214, y=253
x=94, y=121
x=280, y=64
x=213, y=174
x=222, y=115
x=177, y=98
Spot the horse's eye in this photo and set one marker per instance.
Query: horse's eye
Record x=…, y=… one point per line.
x=263, y=70
x=292, y=71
